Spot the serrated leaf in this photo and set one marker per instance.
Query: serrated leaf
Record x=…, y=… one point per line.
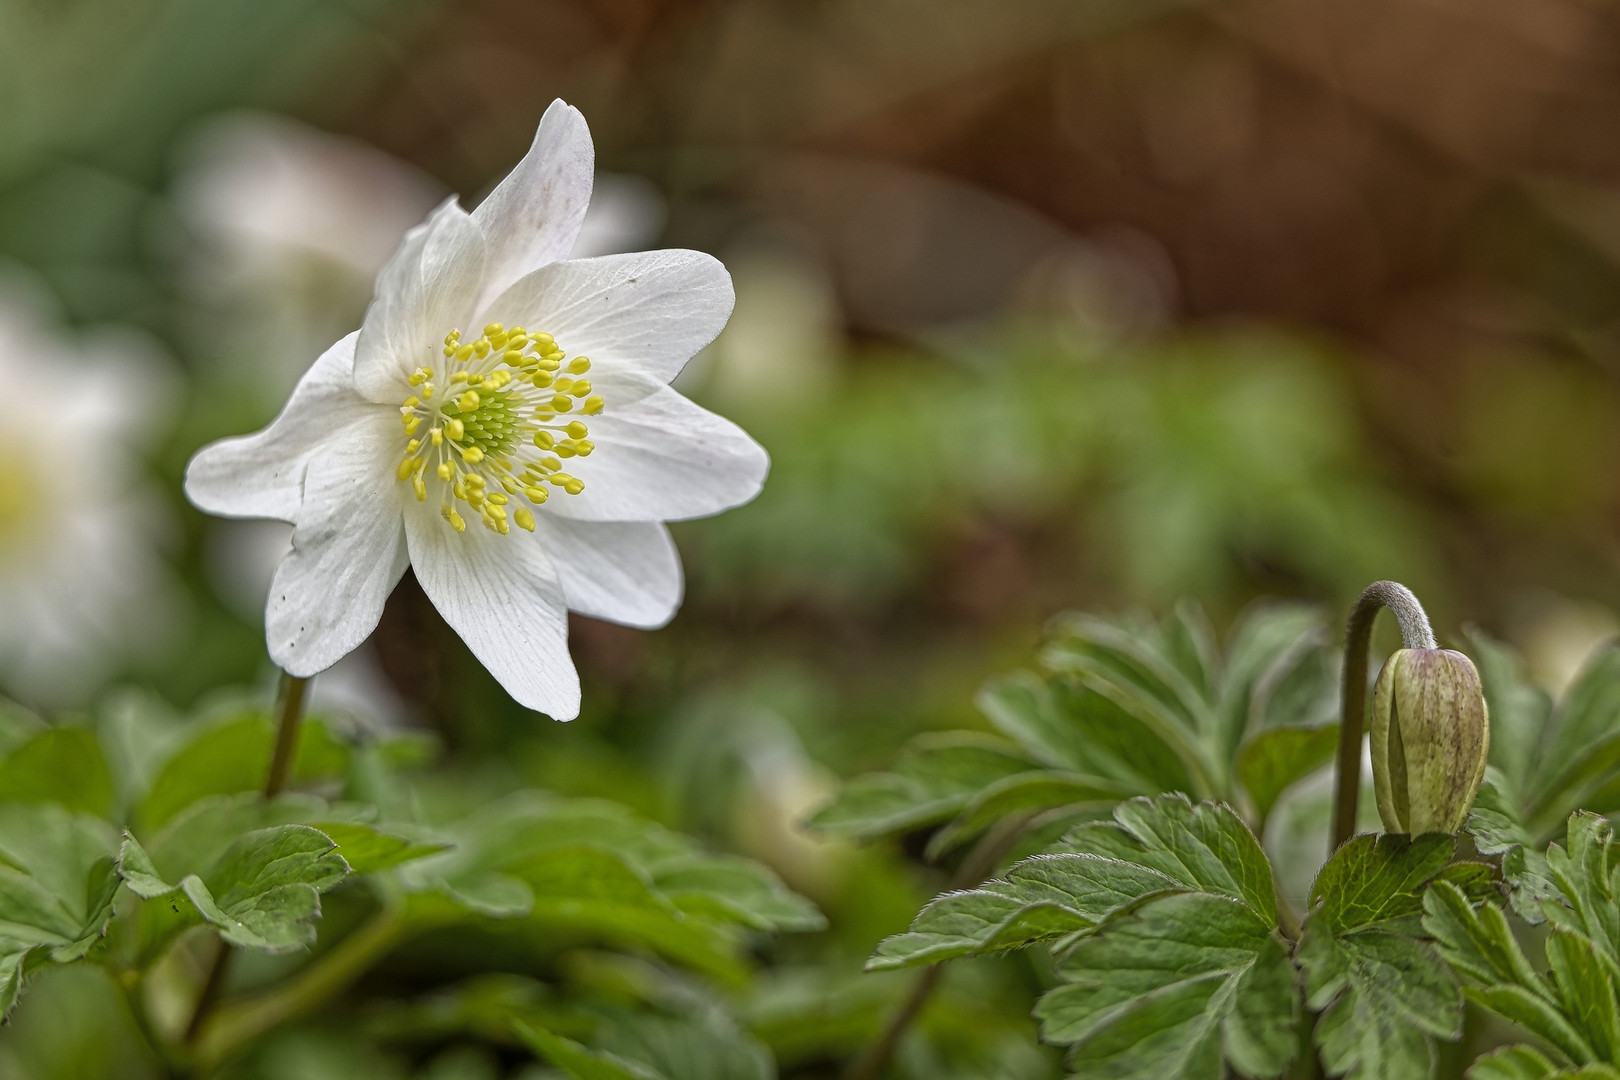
x=1512, y=1063
x=1168, y=988
x=1495, y=826
x=1026, y=793
x=1383, y=991
x=1583, y=869
x=933, y=780
x=736, y=890
x=262, y=893
x=1274, y=760
x=1155, y=845
x=57, y=886
x=62, y=765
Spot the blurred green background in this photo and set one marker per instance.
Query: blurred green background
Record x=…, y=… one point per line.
x=1042, y=304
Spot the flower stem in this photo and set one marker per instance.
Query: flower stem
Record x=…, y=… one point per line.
x=294, y=692
x=975, y=867
x=1415, y=634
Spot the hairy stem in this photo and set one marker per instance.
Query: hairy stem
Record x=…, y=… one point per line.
x=975, y=867
x=1415, y=634
x=294, y=692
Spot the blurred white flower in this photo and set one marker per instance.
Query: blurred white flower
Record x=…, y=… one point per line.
x=81, y=582
x=420, y=421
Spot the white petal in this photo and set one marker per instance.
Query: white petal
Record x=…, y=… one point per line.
x=662, y=458
x=534, y=215
x=428, y=288
x=625, y=572
x=348, y=551
x=262, y=475
x=642, y=314
x=501, y=594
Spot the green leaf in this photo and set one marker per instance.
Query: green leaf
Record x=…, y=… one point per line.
x=934, y=779
x=1497, y=830
x=1512, y=1063
x=580, y=1063
x=1167, y=989
x=1026, y=793
x=263, y=892
x=57, y=886
x=1155, y=845
x=1273, y=760
x=1382, y=990
x=739, y=890
x=1583, y=870
x=228, y=757
x=1586, y=737
x=1480, y=947
x=62, y=765
x=368, y=849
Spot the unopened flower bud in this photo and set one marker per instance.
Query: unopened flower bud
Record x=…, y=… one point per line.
x=1430, y=736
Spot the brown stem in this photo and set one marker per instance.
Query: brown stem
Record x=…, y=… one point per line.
x=975, y=867
x=1415, y=634
x=289, y=716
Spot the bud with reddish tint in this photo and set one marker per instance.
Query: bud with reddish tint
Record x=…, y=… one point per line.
x=1430, y=736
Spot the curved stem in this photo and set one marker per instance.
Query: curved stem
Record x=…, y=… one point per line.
x=293, y=694
x=1415, y=634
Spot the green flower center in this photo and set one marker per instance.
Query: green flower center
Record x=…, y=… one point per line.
x=501, y=432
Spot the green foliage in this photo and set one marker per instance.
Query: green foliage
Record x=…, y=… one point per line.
x=57, y=885
x=1120, y=709
x=1382, y=990
x=1573, y=1008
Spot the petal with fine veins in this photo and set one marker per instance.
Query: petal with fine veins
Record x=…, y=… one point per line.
x=262, y=475
x=662, y=458
x=348, y=551
x=428, y=288
x=534, y=215
x=501, y=594
x=641, y=315
x=625, y=572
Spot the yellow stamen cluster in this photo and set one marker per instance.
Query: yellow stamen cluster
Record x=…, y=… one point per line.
x=498, y=431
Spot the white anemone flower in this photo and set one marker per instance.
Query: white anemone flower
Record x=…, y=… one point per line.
x=502, y=423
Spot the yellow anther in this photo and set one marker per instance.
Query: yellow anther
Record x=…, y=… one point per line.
x=574, y=486
x=550, y=464
x=524, y=519
x=475, y=380
x=445, y=470
x=545, y=440
x=455, y=429
x=420, y=487
x=464, y=353
x=405, y=469
x=584, y=447
x=565, y=449
x=562, y=403
x=412, y=422
x=413, y=446
x=543, y=340
x=437, y=435
x=502, y=527
x=550, y=363
x=475, y=481
x=458, y=376
x=481, y=348
x=577, y=429
x=579, y=365
x=542, y=379
x=417, y=378
x=427, y=392
x=495, y=509
x=537, y=495
x=493, y=328
x=564, y=384
x=497, y=498
x=452, y=337
x=594, y=404
x=581, y=388
x=512, y=357
x=509, y=485
x=468, y=402
x=454, y=519
x=449, y=352
x=472, y=455
x=475, y=498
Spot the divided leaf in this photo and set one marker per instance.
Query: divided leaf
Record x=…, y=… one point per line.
x=1153, y=846
x=1382, y=989
x=262, y=893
